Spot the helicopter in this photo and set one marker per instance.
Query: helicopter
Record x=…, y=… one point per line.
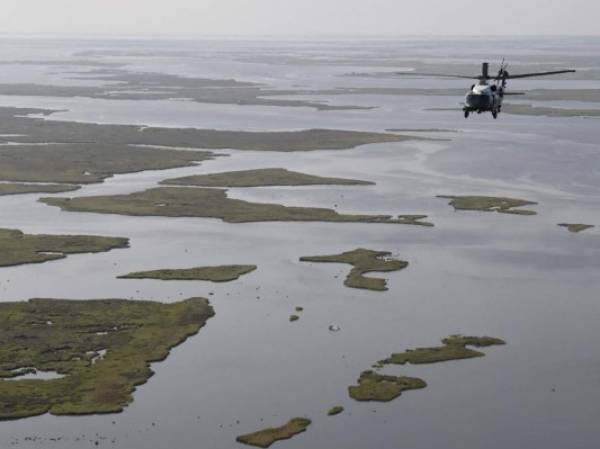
x=485, y=97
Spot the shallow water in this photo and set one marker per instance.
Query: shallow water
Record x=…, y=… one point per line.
x=39, y=375
x=519, y=278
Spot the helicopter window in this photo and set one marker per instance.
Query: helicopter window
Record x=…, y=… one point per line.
x=494, y=88
x=477, y=100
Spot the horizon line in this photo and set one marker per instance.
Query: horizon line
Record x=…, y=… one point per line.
x=191, y=36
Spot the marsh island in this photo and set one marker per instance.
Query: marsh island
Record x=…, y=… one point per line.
x=454, y=348
x=17, y=248
x=381, y=388
x=87, y=163
x=263, y=177
x=575, y=227
x=266, y=437
x=223, y=273
x=490, y=204
x=24, y=129
x=208, y=203
x=15, y=188
x=100, y=350
x=363, y=261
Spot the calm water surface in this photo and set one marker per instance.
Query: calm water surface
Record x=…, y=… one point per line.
x=523, y=279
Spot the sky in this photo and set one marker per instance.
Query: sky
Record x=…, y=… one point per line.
x=301, y=17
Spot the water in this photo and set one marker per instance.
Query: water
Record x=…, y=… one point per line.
x=522, y=279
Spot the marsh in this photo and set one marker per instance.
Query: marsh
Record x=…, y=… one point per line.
x=518, y=277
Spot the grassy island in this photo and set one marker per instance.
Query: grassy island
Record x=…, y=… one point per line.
x=87, y=162
x=266, y=437
x=546, y=111
x=101, y=349
x=576, y=227
x=263, y=177
x=15, y=188
x=17, y=248
x=373, y=386
x=490, y=204
x=454, y=348
x=363, y=261
x=28, y=130
x=207, y=203
x=377, y=387
x=335, y=410
x=223, y=273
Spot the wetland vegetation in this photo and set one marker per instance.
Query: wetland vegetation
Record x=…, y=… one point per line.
x=222, y=273
x=102, y=349
x=490, y=204
x=266, y=437
x=536, y=111
x=17, y=248
x=336, y=410
x=121, y=84
x=373, y=386
x=263, y=177
x=87, y=163
x=454, y=348
x=14, y=188
x=22, y=129
x=363, y=261
x=576, y=227
x=209, y=203
x=381, y=388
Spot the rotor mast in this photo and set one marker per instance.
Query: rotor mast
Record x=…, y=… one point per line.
x=485, y=73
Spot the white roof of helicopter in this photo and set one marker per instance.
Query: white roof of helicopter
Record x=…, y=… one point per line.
x=480, y=88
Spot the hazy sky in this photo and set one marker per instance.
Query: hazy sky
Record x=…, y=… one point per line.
x=348, y=17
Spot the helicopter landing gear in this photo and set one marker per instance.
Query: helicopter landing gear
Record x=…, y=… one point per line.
x=495, y=113
x=466, y=114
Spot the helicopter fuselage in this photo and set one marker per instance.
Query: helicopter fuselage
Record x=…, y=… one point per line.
x=484, y=97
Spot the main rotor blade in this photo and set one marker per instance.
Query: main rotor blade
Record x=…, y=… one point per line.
x=440, y=75
x=530, y=75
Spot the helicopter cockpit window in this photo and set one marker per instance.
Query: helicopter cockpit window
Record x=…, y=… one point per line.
x=476, y=100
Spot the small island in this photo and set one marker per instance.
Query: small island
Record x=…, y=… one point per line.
x=490, y=204
x=576, y=227
x=454, y=348
x=336, y=410
x=363, y=261
x=16, y=188
x=223, y=273
x=17, y=248
x=546, y=111
x=265, y=438
x=98, y=350
x=373, y=386
x=263, y=177
x=380, y=388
